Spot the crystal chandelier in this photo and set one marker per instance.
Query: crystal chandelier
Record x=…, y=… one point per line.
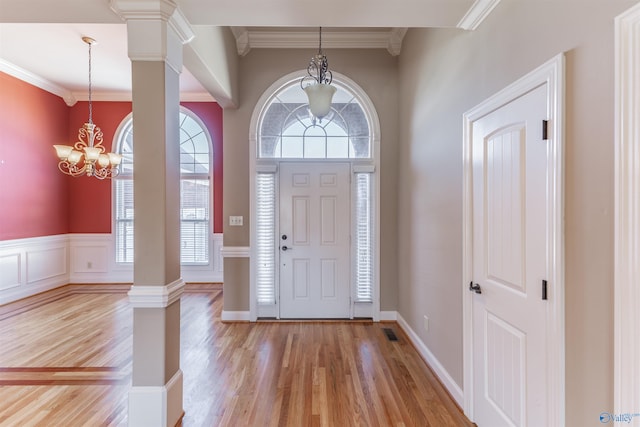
x=96, y=162
x=317, y=84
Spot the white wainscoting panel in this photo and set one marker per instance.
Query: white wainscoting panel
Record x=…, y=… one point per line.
x=33, y=265
x=93, y=261
x=10, y=276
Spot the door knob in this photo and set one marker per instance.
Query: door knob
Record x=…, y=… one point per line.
x=285, y=248
x=475, y=288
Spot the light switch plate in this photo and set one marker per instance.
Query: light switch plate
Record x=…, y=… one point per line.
x=235, y=220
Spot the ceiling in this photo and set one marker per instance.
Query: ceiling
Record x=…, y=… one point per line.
x=41, y=40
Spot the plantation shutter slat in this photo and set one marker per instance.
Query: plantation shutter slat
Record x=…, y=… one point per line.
x=364, y=238
x=265, y=238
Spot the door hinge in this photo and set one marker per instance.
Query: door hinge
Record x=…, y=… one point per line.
x=544, y=290
x=545, y=130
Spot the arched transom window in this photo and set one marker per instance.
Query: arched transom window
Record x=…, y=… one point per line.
x=195, y=191
x=287, y=129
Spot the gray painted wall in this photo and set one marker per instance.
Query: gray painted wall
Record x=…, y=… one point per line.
x=374, y=70
x=444, y=73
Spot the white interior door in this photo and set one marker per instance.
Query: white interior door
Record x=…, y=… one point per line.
x=510, y=249
x=315, y=224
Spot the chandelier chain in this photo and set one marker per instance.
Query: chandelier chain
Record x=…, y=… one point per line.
x=90, y=107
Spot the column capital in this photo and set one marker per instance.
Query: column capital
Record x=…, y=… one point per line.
x=156, y=30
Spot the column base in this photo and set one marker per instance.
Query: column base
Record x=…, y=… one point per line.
x=156, y=406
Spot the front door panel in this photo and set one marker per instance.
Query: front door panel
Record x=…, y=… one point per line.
x=315, y=223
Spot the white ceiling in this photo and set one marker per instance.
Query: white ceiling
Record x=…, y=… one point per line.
x=40, y=40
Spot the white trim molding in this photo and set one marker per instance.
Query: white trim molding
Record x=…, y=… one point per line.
x=248, y=38
x=235, y=316
x=235, y=251
x=551, y=74
x=37, y=81
x=627, y=212
x=477, y=13
x=159, y=406
x=430, y=359
x=388, y=316
x=149, y=296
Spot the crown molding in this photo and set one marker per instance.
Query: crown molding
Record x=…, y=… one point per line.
x=37, y=81
x=396, y=36
x=247, y=39
x=478, y=11
x=125, y=96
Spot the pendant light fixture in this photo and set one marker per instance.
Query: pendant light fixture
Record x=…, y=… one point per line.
x=87, y=156
x=317, y=83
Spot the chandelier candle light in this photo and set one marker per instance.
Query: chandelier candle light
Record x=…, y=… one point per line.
x=317, y=84
x=96, y=162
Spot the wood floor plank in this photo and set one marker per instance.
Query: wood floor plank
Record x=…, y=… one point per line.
x=65, y=360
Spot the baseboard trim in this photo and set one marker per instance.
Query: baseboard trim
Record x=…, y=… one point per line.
x=452, y=387
x=388, y=316
x=235, y=316
x=156, y=405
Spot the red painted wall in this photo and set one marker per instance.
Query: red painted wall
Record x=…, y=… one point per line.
x=211, y=115
x=33, y=193
x=90, y=199
x=38, y=200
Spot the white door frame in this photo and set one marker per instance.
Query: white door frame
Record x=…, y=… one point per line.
x=552, y=74
x=371, y=165
x=627, y=212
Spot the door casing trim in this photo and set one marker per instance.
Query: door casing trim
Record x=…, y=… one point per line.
x=552, y=74
x=627, y=212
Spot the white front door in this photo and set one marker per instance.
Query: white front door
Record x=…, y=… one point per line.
x=510, y=249
x=315, y=224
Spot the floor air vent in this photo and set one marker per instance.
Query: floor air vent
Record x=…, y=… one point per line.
x=391, y=336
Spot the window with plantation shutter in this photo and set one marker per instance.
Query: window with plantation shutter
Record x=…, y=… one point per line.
x=195, y=192
x=265, y=238
x=364, y=237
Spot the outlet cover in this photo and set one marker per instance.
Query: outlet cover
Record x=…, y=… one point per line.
x=426, y=323
x=235, y=220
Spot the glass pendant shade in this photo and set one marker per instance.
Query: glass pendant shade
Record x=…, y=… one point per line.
x=92, y=153
x=63, y=151
x=74, y=157
x=103, y=160
x=114, y=159
x=320, y=96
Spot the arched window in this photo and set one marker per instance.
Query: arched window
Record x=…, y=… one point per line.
x=288, y=131
x=195, y=191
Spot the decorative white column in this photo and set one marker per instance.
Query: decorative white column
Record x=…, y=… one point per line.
x=156, y=32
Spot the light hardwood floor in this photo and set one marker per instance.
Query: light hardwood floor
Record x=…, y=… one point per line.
x=65, y=360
